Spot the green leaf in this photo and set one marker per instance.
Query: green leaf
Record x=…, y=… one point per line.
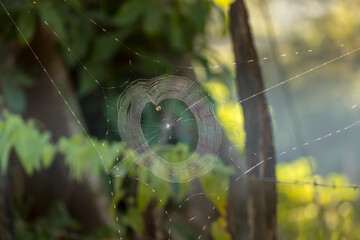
x=104, y=48
x=199, y=19
x=13, y=79
x=80, y=35
x=115, y=200
x=129, y=12
x=214, y=184
x=134, y=219
x=162, y=189
x=218, y=230
x=110, y=152
x=48, y=154
x=29, y=147
x=16, y=76
x=144, y=195
x=179, y=190
x=74, y=3
x=223, y=3
x=152, y=22
x=9, y=128
x=5, y=152
x=79, y=156
x=51, y=15
x=126, y=165
x=27, y=25
x=82, y=156
x=176, y=35
x=14, y=97
x=87, y=79
x=174, y=154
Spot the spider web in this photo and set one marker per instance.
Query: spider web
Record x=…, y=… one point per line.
x=155, y=91
x=149, y=92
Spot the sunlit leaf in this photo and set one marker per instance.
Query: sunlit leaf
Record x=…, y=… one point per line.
x=217, y=90
x=162, y=189
x=224, y=3
x=9, y=128
x=214, y=184
x=218, y=230
x=48, y=154
x=29, y=148
x=232, y=118
x=144, y=195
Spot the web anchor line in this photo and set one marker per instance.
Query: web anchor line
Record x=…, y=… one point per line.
x=295, y=182
x=267, y=179
x=136, y=53
x=293, y=78
x=66, y=103
x=173, y=65
x=314, y=183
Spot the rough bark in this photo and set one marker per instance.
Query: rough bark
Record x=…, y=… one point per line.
x=85, y=200
x=261, y=196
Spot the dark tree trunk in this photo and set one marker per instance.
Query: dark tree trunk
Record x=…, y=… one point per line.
x=86, y=200
x=261, y=196
x=7, y=59
x=6, y=221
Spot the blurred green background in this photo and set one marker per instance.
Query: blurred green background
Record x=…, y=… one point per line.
x=41, y=140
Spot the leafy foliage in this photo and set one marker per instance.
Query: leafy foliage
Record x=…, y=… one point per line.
x=13, y=80
x=165, y=31
x=82, y=156
x=309, y=212
x=18, y=135
x=216, y=183
x=218, y=229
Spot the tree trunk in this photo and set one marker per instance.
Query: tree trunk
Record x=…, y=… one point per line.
x=261, y=196
x=6, y=222
x=7, y=59
x=86, y=200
